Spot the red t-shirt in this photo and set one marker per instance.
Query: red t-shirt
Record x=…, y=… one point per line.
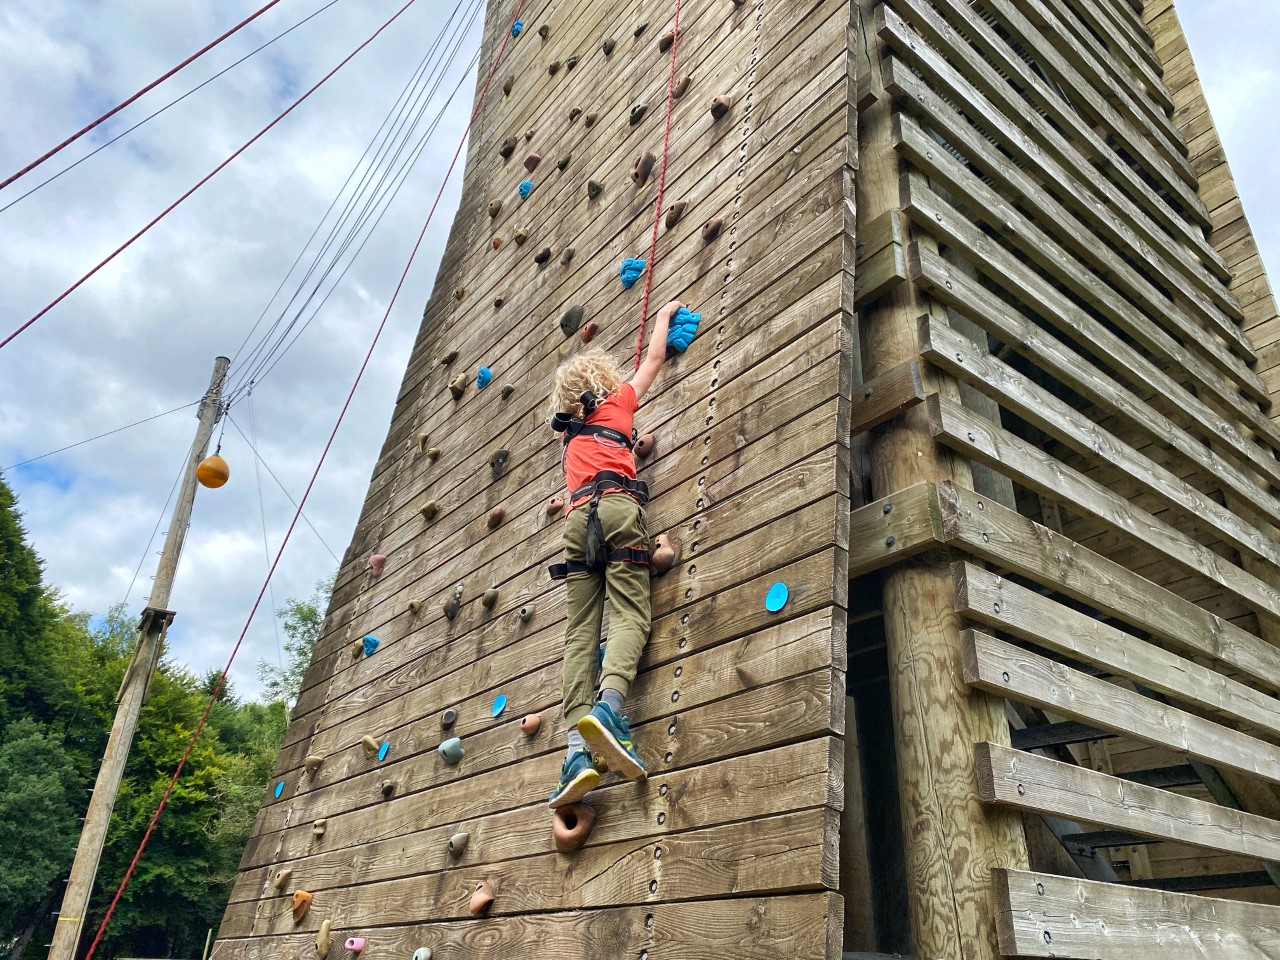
x=588, y=454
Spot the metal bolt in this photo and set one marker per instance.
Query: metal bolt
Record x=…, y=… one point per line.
x=672, y=729
x=1022, y=791
x=1048, y=937
x=1005, y=675
x=887, y=509
x=867, y=392
x=996, y=606
x=889, y=541
x=653, y=886
x=1040, y=889
x=657, y=853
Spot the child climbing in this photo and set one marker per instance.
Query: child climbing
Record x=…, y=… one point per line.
x=607, y=551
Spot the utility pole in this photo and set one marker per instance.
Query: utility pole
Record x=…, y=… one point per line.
x=134, y=688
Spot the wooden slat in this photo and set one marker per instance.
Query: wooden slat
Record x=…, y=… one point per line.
x=881, y=399
x=1046, y=916
x=999, y=603
x=1001, y=450
x=999, y=667
x=893, y=528
x=1008, y=777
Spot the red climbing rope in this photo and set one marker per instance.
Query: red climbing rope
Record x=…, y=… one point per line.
x=205, y=179
x=128, y=875
x=662, y=179
x=150, y=86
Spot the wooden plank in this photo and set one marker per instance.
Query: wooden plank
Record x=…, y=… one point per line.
x=1046, y=916
x=1009, y=777
x=893, y=528
x=1021, y=395
x=1018, y=544
x=1001, y=668
x=881, y=399
x=990, y=599
x=973, y=436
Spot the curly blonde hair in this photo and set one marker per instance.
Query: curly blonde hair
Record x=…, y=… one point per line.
x=592, y=370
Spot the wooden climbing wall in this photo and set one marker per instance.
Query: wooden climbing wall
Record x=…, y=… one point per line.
x=730, y=848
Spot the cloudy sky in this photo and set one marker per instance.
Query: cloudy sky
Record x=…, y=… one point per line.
x=140, y=337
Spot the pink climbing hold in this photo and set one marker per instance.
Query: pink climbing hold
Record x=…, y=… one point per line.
x=532, y=160
x=589, y=330
x=531, y=724
x=355, y=944
x=376, y=563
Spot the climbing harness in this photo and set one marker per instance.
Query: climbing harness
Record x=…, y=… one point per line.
x=599, y=552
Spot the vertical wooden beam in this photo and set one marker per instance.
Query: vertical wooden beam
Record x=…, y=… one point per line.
x=953, y=843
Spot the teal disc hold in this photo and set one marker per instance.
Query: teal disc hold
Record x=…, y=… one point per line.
x=382, y=750
x=279, y=789
x=499, y=704
x=776, y=598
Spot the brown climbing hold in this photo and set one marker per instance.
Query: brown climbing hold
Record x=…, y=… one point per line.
x=638, y=112
x=448, y=718
x=495, y=208
x=530, y=724
x=640, y=29
x=481, y=899
x=422, y=442
x=665, y=41
x=574, y=114
x=461, y=292
x=457, y=385
x=388, y=789
x=458, y=844
x=555, y=506
x=711, y=229
x=433, y=454
x=571, y=826
x=642, y=168
x=563, y=163
x=415, y=606
x=608, y=46
x=496, y=516
x=590, y=119
x=666, y=553
x=448, y=358
x=357, y=649
x=532, y=160
x=644, y=446
x=681, y=86
x=520, y=237
x=429, y=510
x=369, y=746
x=571, y=321
x=544, y=31
x=490, y=598
x=542, y=256
x=507, y=390
x=508, y=83
x=281, y=878
x=376, y=563
x=674, y=213
x=720, y=106
x=508, y=148
x=498, y=302
x=498, y=462
x=322, y=939
x=589, y=330
x=594, y=189
x=497, y=242
x=319, y=827
x=301, y=904
x=312, y=763
x=553, y=68
x=528, y=135
x=453, y=605
x=565, y=256
x=571, y=62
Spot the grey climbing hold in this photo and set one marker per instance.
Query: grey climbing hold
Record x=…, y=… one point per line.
x=448, y=358
x=433, y=454
x=319, y=827
x=281, y=878
x=594, y=189
x=638, y=112
x=451, y=751
x=458, y=844
x=563, y=163
x=574, y=114
x=508, y=83
x=526, y=612
x=665, y=41
x=369, y=746
x=459, y=293
x=498, y=462
x=448, y=718
x=542, y=256
x=553, y=68
x=532, y=160
x=422, y=442
x=312, y=763
x=571, y=321
x=544, y=31
x=521, y=236
x=571, y=62
x=644, y=24
x=720, y=106
x=681, y=86
x=495, y=208
x=675, y=212
x=490, y=598
x=508, y=148
x=429, y=510
x=590, y=119
x=454, y=604
x=711, y=229
x=388, y=789
x=507, y=390
x=566, y=255
x=642, y=168
x=422, y=953
x=415, y=606
x=457, y=385
x=608, y=46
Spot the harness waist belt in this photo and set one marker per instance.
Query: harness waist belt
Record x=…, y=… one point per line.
x=607, y=480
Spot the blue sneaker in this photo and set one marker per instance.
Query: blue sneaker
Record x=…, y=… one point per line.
x=578, y=777
x=609, y=737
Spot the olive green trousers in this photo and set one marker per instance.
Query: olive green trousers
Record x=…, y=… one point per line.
x=626, y=585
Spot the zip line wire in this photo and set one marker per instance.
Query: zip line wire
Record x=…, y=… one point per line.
x=171, y=103
x=262, y=512
x=411, y=98
x=217, y=689
x=124, y=103
x=81, y=443
x=207, y=177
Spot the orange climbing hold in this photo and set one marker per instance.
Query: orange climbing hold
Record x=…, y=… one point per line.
x=644, y=445
x=301, y=904
x=531, y=724
x=481, y=899
x=666, y=553
x=213, y=472
x=497, y=242
x=571, y=826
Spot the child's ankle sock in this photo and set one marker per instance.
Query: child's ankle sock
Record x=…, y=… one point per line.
x=575, y=741
x=614, y=699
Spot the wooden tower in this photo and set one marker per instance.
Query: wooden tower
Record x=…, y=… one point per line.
x=985, y=377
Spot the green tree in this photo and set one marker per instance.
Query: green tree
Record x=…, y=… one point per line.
x=301, y=620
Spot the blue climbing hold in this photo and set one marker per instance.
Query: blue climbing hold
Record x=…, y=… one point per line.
x=526, y=188
x=630, y=271
x=370, y=644
x=776, y=598
x=279, y=789
x=516, y=28
x=483, y=376
x=382, y=750
x=499, y=704
x=684, y=324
